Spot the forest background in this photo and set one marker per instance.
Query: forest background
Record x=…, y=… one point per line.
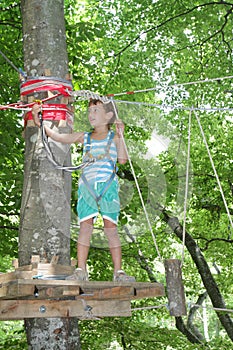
x=179, y=55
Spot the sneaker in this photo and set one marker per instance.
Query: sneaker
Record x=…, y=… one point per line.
x=121, y=276
x=78, y=275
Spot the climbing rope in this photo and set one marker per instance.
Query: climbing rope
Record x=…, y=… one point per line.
x=138, y=188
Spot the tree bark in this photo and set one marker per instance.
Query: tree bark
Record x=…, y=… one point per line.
x=204, y=271
x=45, y=209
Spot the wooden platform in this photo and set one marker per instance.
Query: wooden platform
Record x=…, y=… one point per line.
x=41, y=290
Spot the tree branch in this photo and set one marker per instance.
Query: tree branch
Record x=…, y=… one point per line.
x=183, y=329
x=208, y=241
x=170, y=20
x=9, y=228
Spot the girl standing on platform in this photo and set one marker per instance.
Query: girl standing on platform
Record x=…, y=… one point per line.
x=98, y=185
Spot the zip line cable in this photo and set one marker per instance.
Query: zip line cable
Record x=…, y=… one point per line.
x=27, y=107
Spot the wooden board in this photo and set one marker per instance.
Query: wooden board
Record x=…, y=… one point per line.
x=41, y=290
x=20, y=309
x=92, y=290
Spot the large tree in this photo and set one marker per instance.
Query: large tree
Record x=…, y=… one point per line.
x=45, y=209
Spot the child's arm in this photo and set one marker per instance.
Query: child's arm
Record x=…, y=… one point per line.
x=122, y=156
x=76, y=137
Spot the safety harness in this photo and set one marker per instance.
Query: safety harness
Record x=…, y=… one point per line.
x=88, y=157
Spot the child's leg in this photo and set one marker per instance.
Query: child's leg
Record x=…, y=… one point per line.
x=86, y=229
x=110, y=230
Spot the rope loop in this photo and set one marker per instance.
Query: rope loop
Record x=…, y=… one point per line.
x=86, y=95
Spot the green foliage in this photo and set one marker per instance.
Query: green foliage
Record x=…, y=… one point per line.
x=12, y=335
x=117, y=46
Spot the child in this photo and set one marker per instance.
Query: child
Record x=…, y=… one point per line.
x=98, y=184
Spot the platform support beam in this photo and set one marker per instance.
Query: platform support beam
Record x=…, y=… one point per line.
x=91, y=309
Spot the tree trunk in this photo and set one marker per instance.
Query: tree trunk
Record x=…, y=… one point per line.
x=45, y=209
x=204, y=271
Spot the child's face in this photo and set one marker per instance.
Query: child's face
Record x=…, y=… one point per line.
x=97, y=115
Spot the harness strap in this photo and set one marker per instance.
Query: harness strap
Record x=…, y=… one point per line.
x=106, y=154
x=88, y=144
x=92, y=192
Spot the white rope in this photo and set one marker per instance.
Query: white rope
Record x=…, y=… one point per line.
x=214, y=169
x=186, y=187
x=86, y=95
x=138, y=188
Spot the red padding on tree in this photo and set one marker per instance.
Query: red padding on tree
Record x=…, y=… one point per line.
x=53, y=112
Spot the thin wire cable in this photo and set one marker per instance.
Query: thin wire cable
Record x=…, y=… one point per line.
x=152, y=307
x=203, y=81
x=218, y=309
x=186, y=187
x=161, y=106
x=11, y=63
x=138, y=188
x=214, y=169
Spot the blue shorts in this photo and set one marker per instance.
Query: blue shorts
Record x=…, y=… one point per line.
x=108, y=206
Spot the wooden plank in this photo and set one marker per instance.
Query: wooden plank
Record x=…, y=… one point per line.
x=150, y=291
x=86, y=290
x=105, y=290
x=14, y=275
x=47, y=268
x=20, y=309
x=15, y=290
x=118, y=292
x=54, y=269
